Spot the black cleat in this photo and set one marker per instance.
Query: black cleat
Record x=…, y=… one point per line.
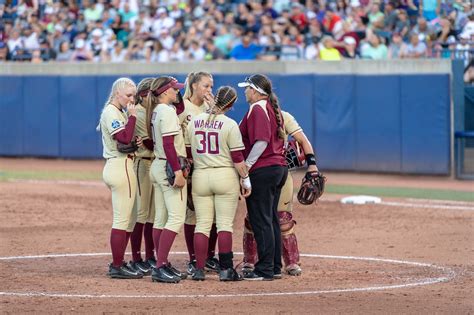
x=162, y=274
x=176, y=272
x=151, y=262
x=198, y=275
x=123, y=272
x=212, y=265
x=191, y=267
x=229, y=274
x=252, y=276
x=141, y=266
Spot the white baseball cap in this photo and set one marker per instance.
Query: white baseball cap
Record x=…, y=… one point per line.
x=248, y=82
x=349, y=40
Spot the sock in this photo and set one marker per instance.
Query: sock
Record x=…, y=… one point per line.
x=225, y=242
x=149, y=245
x=136, y=241
x=166, y=241
x=201, y=242
x=189, y=237
x=211, y=252
x=156, y=238
x=117, y=240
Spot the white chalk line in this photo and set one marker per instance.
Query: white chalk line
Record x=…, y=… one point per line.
x=449, y=275
x=436, y=201
x=428, y=206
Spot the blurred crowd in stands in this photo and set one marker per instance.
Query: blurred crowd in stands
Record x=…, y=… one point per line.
x=173, y=30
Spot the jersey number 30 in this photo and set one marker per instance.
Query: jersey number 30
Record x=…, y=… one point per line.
x=209, y=142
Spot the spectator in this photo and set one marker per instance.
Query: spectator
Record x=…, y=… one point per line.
x=96, y=44
x=312, y=51
x=376, y=17
x=162, y=22
x=403, y=25
x=15, y=41
x=81, y=53
x=462, y=48
x=118, y=54
x=212, y=52
x=350, y=48
x=298, y=17
x=126, y=14
x=65, y=53
x=195, y=51
x=92, y=12
x=374, y=49
x=430, y=8
x=333, y=23
x=3, y=51
x=415, y=49
x=271, y=51
x=176, y=53
x=246, y=50
x=159, y=53
x=396, y=47
x=36, y=56
x=390, y=18
x=423, y=29
x=137, y=50
x=469, y=73
x=327, y=51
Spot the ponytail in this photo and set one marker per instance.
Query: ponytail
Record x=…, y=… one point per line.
x=279, y=117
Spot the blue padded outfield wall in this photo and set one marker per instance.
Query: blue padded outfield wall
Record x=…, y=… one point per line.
x=379, y=123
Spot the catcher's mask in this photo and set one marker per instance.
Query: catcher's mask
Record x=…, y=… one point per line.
x=294, y=154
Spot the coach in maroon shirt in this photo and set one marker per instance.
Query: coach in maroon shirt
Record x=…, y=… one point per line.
x=263, y=135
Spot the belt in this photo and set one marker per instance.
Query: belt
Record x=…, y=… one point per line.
x=129, y=156
x=162, y=159
x=146, y=158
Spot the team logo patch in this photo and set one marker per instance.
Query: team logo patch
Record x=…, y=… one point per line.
x=115, y=124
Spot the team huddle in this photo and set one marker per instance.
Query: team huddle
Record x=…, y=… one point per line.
x=175, y=161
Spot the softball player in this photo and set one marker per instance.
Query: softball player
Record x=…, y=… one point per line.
x=118, y=172
x=290, y=251
x=263, y=134
x=170, y=201
x=216, y=146
x=197, y=96
x=144, y=205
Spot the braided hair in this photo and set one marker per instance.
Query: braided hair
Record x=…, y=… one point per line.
x=224, y=99
x=194, y=77
x=265, y=84
x=151, y=100
x=143, y=88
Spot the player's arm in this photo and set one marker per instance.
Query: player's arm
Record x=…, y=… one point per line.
x=241, y=167
x=308, y=149
x=125, y=135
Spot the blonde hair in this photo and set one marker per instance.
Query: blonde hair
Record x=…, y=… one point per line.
x=194, y=77
x=117, y=86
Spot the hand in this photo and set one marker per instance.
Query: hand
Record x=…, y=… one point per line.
x=139, y=141
x=209, y=98
x=179, y=180
x=245, y=192
x=312, y=168
x=131, y=109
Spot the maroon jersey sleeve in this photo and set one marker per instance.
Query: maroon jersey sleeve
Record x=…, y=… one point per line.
x=258, y=125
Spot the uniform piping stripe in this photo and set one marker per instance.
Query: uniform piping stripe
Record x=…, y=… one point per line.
x=128, y=180
x=138, y=178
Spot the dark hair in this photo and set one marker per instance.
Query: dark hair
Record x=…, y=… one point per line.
x=151, y=100
x=143, y=88
x=225, y=98
x=265, y=84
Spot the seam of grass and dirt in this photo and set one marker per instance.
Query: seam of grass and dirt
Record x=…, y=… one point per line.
x=400, y=192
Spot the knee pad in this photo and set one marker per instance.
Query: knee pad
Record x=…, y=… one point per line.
x=286, y=222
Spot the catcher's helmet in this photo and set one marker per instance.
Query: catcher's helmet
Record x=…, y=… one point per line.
x=295, y=156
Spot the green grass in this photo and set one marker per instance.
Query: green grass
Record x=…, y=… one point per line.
x=51, y=175
x=401, y=192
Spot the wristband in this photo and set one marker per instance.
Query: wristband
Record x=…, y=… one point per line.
x=310, y=159
x=246, y=183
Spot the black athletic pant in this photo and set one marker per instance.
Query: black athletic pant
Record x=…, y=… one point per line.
x=262, y=207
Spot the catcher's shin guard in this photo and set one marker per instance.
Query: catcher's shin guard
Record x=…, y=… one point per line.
x=290, y=252
x=249, y=245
